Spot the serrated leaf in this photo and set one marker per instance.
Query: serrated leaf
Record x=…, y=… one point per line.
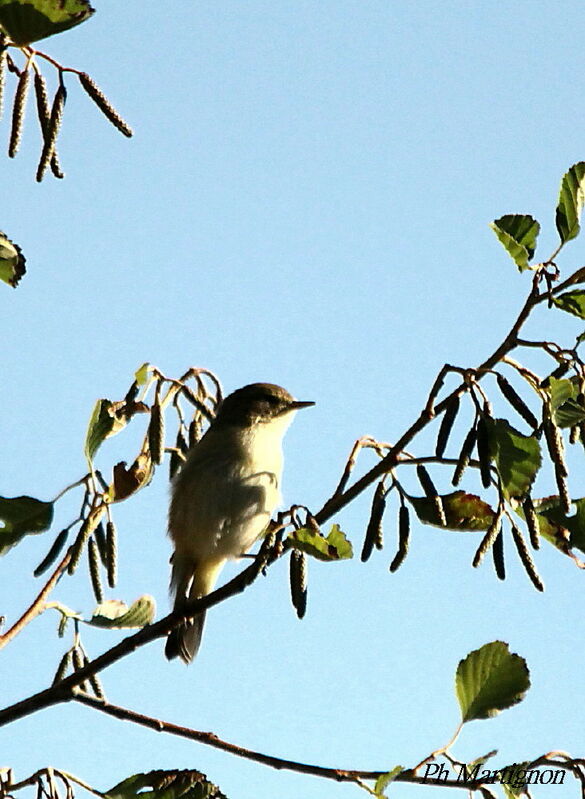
x=464, y=512
x=20, y=516
x=103, y=423
x=12, y=261
x=384, y=780
x=166, y=785
x=569, y=414
x=518, y=234
x=114, y=614
x=334, y=547
x=517, y=457
x=27, y=21
x=142, y=374
x=571, y=199
x=572, y=302
x=489, y=680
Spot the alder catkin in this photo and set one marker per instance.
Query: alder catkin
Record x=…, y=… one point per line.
x=100, y=538
x=556, y=449
x=44, y=115
x=374, y=532
x=447, y=421
x=431, y=493
x=79, y=543
x=52, y=131
x=498, y=555
x=516, y=401
x=531, y=522
x=94, y=570
x=526, y=559
x=78, y=664
x=483, y=452
x=104, y=104
x=53, y=553
x=156, y=433
x=464, y=456
x=403, y=538
x=298, y=581
x=112, y=550
x=18, y=110
x=490, y=536
x=62, y=668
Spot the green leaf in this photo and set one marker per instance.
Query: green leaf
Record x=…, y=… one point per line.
x=384, y=780
x=103, y=423
x=142, y=375
x=166, y=785
x=12, y=261
x=22, y=516
x=517, y=457
x=27, y=21
x=560, y=391
x=114, y=614
x=571, y=199
x=465, y=512
x=513, y=779
x=334, y=547
x=572, y=302
x=518, y=234
x=569, y=414
x=561, y=524
x=489, y=680
x=566, y=410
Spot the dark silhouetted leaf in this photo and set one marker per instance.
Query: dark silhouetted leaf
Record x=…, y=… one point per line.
x=166, y=785
x=22, y=516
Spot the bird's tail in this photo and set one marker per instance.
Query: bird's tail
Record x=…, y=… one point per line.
x=189, y=580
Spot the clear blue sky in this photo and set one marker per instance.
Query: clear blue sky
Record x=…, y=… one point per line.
x=306, y=201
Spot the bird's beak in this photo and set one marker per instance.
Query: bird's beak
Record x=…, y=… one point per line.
x=294, y=406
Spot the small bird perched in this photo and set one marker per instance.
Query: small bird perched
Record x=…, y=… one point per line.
x=224, y=496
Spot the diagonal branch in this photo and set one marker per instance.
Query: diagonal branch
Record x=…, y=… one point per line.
x=63, y=691
x=340, y=500
x=210, y=739
x=38, y=604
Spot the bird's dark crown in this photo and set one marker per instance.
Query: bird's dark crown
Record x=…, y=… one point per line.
x=257, y=402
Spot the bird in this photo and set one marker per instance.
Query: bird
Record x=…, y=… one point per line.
x=223, y=497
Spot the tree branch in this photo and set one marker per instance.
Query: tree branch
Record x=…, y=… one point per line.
x=38, y=605
x=210, y=739
x=338, y=501
x=63, y=691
